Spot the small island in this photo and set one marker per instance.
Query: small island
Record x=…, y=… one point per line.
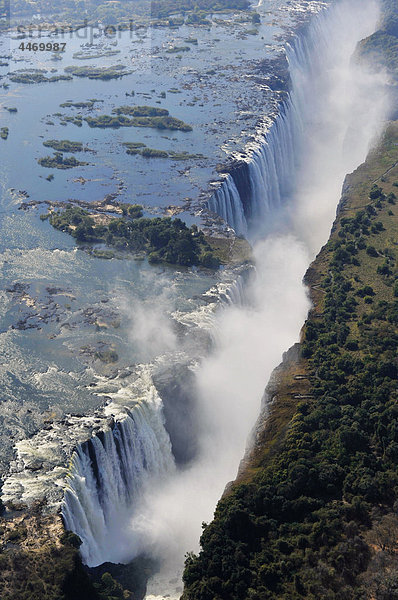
x=59, y=162
x=104, y=73
x=141, y=111
x=37, y=77
x=76, y=120
x=162, y=239
x=64, y=145
x=88, y=104
x=120, y=120
x=143, y=150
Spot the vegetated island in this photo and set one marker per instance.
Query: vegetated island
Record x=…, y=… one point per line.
x=64, y=145
x=58, y=161
x=105, y=73
x=142, y=116
x=34, y=76
x=86, y=56
x=162, y=239
x=75, y=120
x=141, y=111
x=313, y=513
x=143, y=150
x=86, y=104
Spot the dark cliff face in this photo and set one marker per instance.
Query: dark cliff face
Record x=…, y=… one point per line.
x=177, y=388
x=241, y=177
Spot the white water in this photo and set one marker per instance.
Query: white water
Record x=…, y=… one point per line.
x=227, y=203
x=333, y=114
x=111, y=473
x=342, y=102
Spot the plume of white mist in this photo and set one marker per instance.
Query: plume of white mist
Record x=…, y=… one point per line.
x=231, y=382
x=150, y=328
x=342, y=120
x=341, y=109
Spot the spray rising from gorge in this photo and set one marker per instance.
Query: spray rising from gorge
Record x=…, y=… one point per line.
x=292, y=185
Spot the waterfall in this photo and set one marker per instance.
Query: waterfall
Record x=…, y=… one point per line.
x=116, y=470
x=235, y=292
x=268, y=176
x=109, y=475
x=255, y=189
x=226, y=202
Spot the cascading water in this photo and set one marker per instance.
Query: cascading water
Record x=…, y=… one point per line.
x=226, y=202
x=312, y=123
x=254, y=191
x=109, y=475
x=268, y=177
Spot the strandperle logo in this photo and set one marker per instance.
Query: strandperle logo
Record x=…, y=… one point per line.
x=84, y=31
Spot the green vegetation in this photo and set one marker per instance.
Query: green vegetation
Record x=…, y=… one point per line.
x=85, y=56
x=88, y=104
x=143, y=150
x=34, y=77
x=4, y=131
x=104, y=73
x=162, y=123
x=76, y=120
x=314, y=514
x=120, y=120
x=141, y=111
x=36, y=565
x=381, y=48
x=106, y=254
x=134, y=145
x=104, y=121
x=39, y=560
x=109, y=589
x=162, y=239
x=148, y=152
x=64, y=145
x=59, y=162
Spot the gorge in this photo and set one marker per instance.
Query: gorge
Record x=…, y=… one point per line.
x=149, y=465
x=285, y=197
